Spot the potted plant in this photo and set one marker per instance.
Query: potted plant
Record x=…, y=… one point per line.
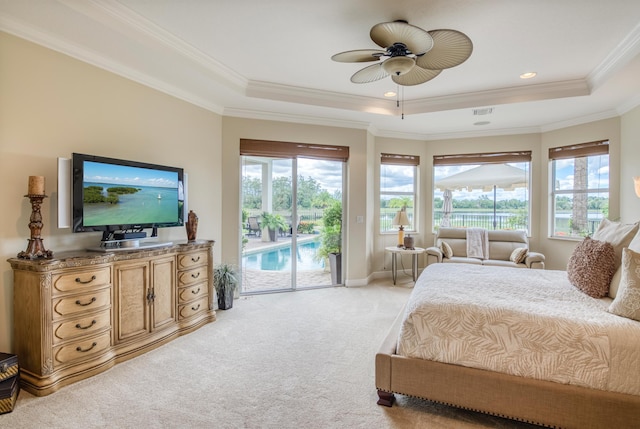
x=331, y=241
x=225, y=279
x=274, y=223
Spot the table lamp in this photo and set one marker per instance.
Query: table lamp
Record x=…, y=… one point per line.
x=401, y=220
x=636, y=184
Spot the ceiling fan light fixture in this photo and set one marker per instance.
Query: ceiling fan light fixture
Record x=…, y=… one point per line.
x=397, y=66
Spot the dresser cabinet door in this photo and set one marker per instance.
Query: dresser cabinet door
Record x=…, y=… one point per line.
x=131, y=281
x=163, y=280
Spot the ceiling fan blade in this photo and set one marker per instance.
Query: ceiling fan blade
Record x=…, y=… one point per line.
x=369, y=74
x=450, y=48
x=417, y=40
x=358, y=56
x=415, y=76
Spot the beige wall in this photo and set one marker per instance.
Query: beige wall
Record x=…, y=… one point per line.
x=629, y=165
x=52, y=106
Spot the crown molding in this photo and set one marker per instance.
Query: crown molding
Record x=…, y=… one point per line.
x=628, y=49
x=124, y=20
x=34, y=35
x=544, y=91
x=608, y=114
x=297, y=119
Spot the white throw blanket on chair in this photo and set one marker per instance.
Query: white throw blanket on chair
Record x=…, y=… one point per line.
x=477, y=243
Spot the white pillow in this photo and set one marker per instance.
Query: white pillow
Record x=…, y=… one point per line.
x=627, y=301
x=615, y=282
x=519, y=255
x=616, y=233
x=447, y=251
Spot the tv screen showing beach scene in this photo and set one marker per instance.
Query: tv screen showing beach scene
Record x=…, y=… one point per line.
x=114, y=194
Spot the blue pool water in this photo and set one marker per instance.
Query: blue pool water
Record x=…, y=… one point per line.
x=280, y=259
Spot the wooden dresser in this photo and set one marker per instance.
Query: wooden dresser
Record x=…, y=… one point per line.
x=82, y=312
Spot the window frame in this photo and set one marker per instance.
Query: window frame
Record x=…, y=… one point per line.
x=478, y=159
x=575, y=151
x=407, y=161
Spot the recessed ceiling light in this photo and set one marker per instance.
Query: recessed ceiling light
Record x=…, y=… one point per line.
x=390, y=94
x=482, y=123
x=528, y=75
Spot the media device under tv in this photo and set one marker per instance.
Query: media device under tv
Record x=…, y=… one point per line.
x=121, y=198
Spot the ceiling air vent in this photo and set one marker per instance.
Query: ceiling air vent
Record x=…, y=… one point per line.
x=483, y=111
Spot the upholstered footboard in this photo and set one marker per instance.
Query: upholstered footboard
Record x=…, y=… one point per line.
x=540, y=402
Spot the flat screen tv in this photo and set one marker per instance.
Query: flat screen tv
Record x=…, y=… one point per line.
x=121, y=197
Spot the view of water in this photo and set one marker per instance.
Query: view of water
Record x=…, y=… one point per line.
x=280, y=259
x=149, y=205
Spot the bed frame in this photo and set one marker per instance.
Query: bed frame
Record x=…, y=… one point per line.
x=533, y=401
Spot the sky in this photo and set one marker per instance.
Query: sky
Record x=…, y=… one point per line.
x=327, y=173
x=132, y=176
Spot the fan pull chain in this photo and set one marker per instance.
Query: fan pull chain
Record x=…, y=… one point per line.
x=403, y=103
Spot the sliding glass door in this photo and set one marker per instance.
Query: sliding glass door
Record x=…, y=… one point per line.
x=287, y=246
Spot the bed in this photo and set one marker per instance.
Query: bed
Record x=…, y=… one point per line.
x=521, y=344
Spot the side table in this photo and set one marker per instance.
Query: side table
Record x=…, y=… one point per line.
x=402, y=251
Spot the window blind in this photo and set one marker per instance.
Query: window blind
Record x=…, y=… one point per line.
x=483, y=158
x=600, y=147
x=390, y=158
x=276, y=149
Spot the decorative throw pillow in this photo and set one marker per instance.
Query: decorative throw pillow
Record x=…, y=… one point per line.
x=627, y=302
x=591, y=267
x=447, y=251
x=615, y=282
x=519, y=255
x=616, y=233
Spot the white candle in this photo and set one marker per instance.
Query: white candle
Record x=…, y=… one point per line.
x=36, y=185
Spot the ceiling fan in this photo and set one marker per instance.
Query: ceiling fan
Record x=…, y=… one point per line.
x=411, y=55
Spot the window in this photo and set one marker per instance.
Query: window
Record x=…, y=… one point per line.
x=580, y=188
x=483, y=190
x=398, y=189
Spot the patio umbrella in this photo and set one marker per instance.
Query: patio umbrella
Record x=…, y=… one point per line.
x=447, y=207
x=486, y=177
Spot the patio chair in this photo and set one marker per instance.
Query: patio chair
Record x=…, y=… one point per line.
x=253, y=226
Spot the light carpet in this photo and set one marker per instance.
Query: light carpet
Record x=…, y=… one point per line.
x=289, y=360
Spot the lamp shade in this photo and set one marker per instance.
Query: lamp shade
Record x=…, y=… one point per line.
x=636, y=184
x=401, y=218
x=398, y=66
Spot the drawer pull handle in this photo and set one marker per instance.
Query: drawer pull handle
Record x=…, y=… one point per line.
x=88, y=303
x=196, y=275
x=93, y=322
x=195, y=291
x=79, y=349
x=196, y=308
x=85, y=282
x=194, y=260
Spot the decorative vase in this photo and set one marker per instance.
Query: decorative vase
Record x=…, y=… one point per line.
x=191, y=225
x=408, y=243
x=225, y=299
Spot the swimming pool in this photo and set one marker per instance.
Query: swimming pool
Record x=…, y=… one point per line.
x=280, y=259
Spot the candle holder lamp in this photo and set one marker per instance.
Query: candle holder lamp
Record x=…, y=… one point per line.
x=401, y=220
x=35, y=248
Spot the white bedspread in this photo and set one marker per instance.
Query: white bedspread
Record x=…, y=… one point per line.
x=529, y=323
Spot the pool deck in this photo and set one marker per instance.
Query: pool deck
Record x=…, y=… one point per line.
x=260, y=281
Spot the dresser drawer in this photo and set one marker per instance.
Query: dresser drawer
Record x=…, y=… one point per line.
x=63, y=283
x=81, y=349
x=192, y=292
x=189, y=277
x=86, y=302
x=191, y=260
x=195, y=307
x=81, y=326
